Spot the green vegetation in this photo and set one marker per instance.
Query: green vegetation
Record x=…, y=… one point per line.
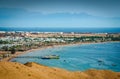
x=12, y=44
x=27, y=43
x=4, y=42
x=13, y=51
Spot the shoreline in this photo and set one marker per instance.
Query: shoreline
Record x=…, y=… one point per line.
x=46, y=47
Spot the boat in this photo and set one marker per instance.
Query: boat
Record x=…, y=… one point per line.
x=100, y=61
x=50, y=57
x=114, y=65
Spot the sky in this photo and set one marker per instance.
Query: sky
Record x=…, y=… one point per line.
x=60, y=13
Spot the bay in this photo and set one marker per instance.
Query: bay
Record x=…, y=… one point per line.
x=79, y=57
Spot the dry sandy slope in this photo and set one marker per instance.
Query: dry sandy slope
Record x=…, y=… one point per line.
x=12, y=70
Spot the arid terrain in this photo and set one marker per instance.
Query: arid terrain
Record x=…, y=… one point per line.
x=14, y=70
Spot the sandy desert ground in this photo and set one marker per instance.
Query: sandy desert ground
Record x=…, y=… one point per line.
x=14, y=70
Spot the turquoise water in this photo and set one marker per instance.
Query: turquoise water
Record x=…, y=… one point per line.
x=79, y=57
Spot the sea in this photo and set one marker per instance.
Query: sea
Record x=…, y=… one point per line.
x=61, y=29
x=81, y=57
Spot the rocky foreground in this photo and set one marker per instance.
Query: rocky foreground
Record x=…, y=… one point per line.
x=14, y=70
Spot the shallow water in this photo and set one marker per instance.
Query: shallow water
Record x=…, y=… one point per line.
x=79, y=57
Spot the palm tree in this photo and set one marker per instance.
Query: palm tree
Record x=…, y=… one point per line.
x=13, y=51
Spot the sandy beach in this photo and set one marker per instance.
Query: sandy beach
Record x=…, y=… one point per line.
x=42, y=48
x=45, y=47
x=31, y=70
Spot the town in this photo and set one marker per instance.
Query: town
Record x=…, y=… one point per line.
x=10, y=42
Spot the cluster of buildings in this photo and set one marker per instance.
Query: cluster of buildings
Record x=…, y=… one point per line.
x=22, y=41
x=22, y=38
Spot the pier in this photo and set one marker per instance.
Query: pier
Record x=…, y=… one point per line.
x=28, y=57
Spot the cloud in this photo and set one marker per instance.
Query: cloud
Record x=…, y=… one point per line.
x=106, y=8
x=57, y=13
x=23, y=18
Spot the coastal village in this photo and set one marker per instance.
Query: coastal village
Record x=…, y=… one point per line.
x=13, y=42
x=59, y=39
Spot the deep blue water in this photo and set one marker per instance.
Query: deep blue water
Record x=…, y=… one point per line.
x=79, y=57
x=38, y=29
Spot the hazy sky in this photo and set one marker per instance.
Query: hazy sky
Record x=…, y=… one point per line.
x=60, y=13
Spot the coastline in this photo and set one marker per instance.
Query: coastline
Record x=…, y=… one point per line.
x=32, y=70
x=45, y=47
